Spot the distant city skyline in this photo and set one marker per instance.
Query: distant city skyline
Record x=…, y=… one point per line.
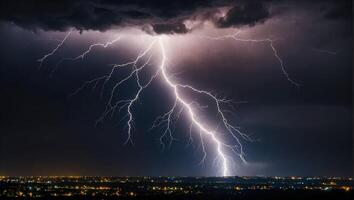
x=191, y=187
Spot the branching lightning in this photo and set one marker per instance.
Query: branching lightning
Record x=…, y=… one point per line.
x=41, y=60
x=225, y=151
x=83, y=54
x=220, y=146
x=271, y=45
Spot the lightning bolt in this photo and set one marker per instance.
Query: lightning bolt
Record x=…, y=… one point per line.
x=137, y=65
x=220, y=146
x=265, y=40
x=226, y=151
x=83, y=54
x=104, y=45
x=41, y=60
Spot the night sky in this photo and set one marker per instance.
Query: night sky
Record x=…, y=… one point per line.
x=304, y=130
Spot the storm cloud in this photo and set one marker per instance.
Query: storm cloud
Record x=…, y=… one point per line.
x=154, y=16
x=163, y=17
x=248, y=14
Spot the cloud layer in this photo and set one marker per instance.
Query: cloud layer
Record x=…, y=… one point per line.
x=161, y=17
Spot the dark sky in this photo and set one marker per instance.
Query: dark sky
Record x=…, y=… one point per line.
x=295, y=131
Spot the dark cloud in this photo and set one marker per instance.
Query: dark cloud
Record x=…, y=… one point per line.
x=163, y=16
x=100, y=15
x=178, y=27
x=248, y=14
x=341, y=10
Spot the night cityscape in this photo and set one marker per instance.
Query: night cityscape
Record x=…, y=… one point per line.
x=176, y=187
x=176, y=99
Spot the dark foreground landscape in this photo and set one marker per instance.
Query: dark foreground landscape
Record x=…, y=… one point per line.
x=176, y=188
